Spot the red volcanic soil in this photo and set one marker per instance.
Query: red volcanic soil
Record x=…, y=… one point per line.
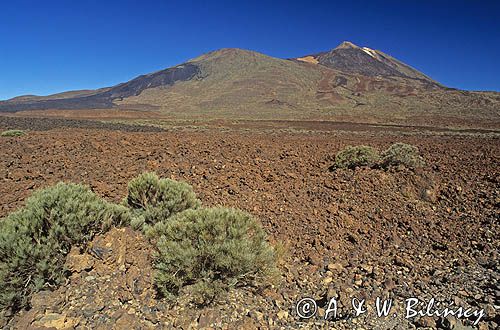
x=366, y=233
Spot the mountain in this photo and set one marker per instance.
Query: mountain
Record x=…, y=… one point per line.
x=101, y=98
x=347, y=83
x=348, y=57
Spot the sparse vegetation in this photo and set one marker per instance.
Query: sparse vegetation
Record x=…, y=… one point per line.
x=153, y=199
x=402, y=154
x=358, y=156
x=398, y=154
x=12, y=132
x=202, y=251
x=35, y=240
x=209, y=251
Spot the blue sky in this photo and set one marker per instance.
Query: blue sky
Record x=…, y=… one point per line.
x=52, y=46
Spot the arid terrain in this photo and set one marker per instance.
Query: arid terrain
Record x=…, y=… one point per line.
x=365, y=233
x=261, y=134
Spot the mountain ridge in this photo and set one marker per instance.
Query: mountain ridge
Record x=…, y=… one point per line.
x=346, y=82
x=348, y=57
x=221, y=51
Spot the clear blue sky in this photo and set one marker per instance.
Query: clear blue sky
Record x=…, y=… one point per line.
x=52, y=46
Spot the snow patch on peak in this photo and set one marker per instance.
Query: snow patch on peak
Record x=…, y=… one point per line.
x=370, y=52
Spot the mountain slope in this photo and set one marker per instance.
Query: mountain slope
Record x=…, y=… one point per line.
x=236, y=80
x=348, y=57
x=348, y=83
x=101, y=98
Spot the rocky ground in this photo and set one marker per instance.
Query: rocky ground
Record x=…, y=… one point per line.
x=367, y=233
x=45, y=124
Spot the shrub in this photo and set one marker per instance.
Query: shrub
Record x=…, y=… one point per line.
x=35, y=240
x=402, y=154
x=352, y=157
x=210, y=251
x=12, y=132
x=154, y=199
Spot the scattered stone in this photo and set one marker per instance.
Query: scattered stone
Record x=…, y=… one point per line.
x=426, y=322
x=76, y=262
x=57, y=321
x=343, y=226
x=335, y=267
x=282, y=315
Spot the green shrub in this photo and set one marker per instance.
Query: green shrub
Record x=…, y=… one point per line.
x=35, y=240
x=210, y=251
x=402, y=154
x=358, y=156
x=153, y=199
x=12, y=132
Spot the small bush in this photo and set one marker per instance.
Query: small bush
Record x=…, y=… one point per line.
x=35, y=240
x=358, y=156
x=402, y=154
x=210, y=251
x=154, y=199
x=12, y=132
